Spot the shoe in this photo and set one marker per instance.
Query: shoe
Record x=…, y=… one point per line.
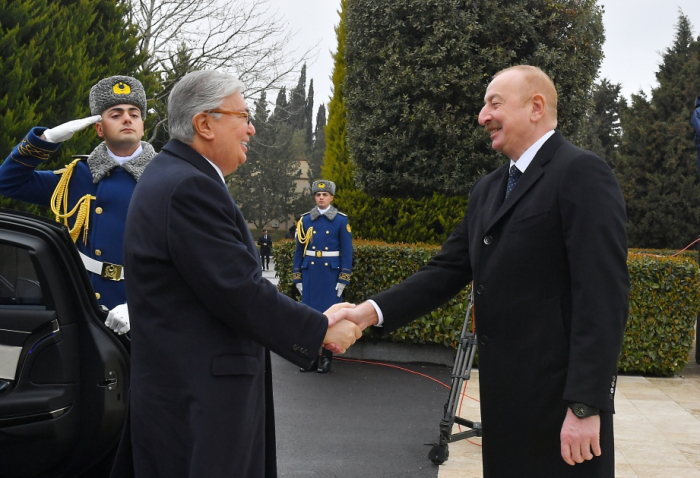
x=311, y=367
x=324, y=366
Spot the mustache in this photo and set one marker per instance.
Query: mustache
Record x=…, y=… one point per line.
x=492, y=125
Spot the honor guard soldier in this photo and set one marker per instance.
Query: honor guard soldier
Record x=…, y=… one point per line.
x=323, y=257
x=91, y=194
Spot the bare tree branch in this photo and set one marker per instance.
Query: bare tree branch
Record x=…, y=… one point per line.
x=239, y=36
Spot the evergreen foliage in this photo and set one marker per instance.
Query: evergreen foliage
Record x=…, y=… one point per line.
x=319, y=145
x=297, y=103
x=657, y=170
x=429, y=219
x=417, y=71
x=263, y=186
x=601, y=132
x=52, y=53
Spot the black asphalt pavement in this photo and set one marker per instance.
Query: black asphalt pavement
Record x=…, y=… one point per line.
x=359, y=421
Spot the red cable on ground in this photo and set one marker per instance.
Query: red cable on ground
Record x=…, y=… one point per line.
x=462, y=392
x=686, y=247
x=416, y=373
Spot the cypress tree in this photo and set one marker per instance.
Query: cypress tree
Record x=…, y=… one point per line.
x=429, y=219
x=297, y=102
x=657, y=171
x=601, y=133
x=417, y=73
x=319, y=146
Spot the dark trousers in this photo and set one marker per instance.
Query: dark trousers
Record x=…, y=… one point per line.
x=265, y=260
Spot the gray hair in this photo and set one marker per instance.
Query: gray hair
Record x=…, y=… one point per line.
x=197, y=92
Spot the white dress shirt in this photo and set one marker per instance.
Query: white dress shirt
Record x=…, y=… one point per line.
x=123, y=159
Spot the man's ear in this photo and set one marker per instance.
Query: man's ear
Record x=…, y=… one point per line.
x=100, y=131
x=202, y=126
x=538, y=107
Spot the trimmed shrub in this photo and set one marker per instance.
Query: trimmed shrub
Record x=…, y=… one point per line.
x=664, y=301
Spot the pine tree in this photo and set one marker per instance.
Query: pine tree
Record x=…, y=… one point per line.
x=309, y=112
x=657, y=170
x=52, y=53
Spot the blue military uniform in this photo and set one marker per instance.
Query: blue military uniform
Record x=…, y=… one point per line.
x=93, y=193
x=323, y=256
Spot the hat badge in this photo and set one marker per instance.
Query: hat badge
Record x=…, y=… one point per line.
x=321, y=185
x=121, y=88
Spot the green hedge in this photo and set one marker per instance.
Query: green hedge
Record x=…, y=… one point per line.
x=664, y=301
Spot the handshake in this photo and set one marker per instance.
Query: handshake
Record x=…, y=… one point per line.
x=345, y=324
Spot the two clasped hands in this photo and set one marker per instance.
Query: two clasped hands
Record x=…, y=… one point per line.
x=346, y=322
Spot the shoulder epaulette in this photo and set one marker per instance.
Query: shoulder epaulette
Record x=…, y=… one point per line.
x=342, y=214
x=305, y=214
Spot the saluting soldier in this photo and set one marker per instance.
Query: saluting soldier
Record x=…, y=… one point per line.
x=91, y=194
x=323, y=257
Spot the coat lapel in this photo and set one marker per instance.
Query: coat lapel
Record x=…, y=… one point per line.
x=529, y=178
x=186, y=152
x=497, y=191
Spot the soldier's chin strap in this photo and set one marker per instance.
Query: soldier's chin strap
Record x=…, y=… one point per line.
x=304, y=237
x=60, y=199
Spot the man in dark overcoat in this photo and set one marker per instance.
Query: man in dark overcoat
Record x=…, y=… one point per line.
x=265, y=243
x=544, y=242
x=202, y=315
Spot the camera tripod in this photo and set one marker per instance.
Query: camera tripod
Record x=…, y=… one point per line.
x=461, y=371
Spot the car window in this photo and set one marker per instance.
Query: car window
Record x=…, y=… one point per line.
x=19, y=284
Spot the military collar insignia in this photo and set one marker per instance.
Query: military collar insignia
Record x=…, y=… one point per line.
x=330, y=214
x=101, y=164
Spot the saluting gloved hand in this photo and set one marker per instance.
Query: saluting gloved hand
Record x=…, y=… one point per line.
x=64, y=132
x=340, y=287
x=118, y=319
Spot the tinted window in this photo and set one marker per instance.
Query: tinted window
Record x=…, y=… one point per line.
x=19, y=284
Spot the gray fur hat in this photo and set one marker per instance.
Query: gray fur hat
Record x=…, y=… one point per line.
x=323, y=186
x=117, y=90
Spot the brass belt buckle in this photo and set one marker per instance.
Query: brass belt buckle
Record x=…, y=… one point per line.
x=319, y=253
x=111, y=271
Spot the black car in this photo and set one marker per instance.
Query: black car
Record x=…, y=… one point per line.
x=63, y=375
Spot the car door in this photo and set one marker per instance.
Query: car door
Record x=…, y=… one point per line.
x=63, y=375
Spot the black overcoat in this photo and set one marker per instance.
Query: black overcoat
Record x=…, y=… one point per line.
x=551, y=301
x=202, y=319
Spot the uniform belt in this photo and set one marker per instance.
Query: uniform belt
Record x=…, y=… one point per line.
x=106, y=270
x=323, y=253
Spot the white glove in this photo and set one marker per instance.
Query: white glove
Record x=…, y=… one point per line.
x=118, y=319
x=299, y=286
x=340, y=287
x=65, y=131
